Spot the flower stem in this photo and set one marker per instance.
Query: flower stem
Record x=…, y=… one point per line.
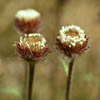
x=69, y=79
x=30, y=79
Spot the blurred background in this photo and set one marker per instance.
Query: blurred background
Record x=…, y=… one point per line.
x=50, y=77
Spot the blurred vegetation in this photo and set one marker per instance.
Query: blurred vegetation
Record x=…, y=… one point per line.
x=50, y=75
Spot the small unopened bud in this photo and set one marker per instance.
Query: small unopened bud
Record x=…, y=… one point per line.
x=72, y=41
x=32, y=47
x=27, y=21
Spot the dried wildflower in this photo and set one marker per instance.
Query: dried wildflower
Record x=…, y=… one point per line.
x=72, y=41
x=27, y=21
x=32, y=46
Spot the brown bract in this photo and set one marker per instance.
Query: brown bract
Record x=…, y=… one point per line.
x=30, y=55
x=73, y=51
x=29, y=26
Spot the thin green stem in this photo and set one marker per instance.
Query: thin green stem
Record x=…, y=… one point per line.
x=30, y=79
x=69, y=79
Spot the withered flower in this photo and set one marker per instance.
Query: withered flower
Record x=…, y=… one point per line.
x=32, y=46
x=72, y=40
x=27, y=21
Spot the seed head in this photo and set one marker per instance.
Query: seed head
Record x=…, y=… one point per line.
x=27, y=21
x=32, y=46
x=72, y=41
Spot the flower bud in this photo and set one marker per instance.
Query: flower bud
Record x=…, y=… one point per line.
x=32, y=47
x=72, y=41
x=27, y=21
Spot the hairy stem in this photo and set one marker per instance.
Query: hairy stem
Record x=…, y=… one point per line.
x=30, y=80
x=69, y=79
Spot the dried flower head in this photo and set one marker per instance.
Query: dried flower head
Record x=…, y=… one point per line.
x=72, y=41
x=27, y=21
x=32, y=46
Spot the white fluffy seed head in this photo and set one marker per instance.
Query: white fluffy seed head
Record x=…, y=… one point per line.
x=33, y=41
x=27, y=14
x=72, y=40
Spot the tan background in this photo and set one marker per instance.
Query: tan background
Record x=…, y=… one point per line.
x=49, y=74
